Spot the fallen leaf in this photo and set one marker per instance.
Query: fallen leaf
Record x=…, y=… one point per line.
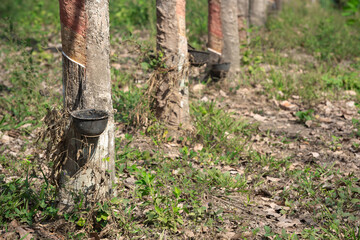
x=350, y=104
x=308, y=123
x=222, y=93
x=198, y=147
x=5, y=139
x=315, y=154
x=204, y=99
x=286, y=105
x=198, y=87
x=272, y=179
x=350, y=93
x=285, y=222
x=189, y=234
x=325, y=126
x=259, y=118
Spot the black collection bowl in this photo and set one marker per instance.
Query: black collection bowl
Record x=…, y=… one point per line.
x=219, y=70
x=90, y=122
x=198, y=58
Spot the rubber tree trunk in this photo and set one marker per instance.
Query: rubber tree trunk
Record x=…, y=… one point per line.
x=243, y=19
x=88, y=168
x=172, y=94
x=215, y=31
x=258, y=11
x=231, y=47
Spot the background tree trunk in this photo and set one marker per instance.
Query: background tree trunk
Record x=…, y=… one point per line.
x=172, y=103
x=278, y=4
x=258, y=11
x=243, y=19
x=215, y=34
x=87, y=84
x=231, y=48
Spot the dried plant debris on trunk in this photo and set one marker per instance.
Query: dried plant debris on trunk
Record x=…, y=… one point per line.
x=56, y=122
x=160, y=95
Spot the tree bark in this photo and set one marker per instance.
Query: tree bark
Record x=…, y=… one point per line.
x=278, y=4
x=88, y=167
x=243, y=19
x=231, y=48
x=258, y=11
x=172, y=94
x=215, y=31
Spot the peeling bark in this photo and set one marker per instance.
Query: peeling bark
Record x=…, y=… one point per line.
x=172, y=95
x=88, y=167
x=231, y=48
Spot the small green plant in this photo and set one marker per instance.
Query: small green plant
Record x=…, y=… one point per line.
x=103, y=213
x=125, y=102
x=356, y=125
x=251, y=61
x=214, y=177
x=335, y=143
x=219, y=132
x=166, y=211
x=351, y=9
x=305, y=115
x=151, y=62
x=20, y=200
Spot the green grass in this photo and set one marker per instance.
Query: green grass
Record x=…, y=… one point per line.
x=321, y=32
x=21, y=200
x=318, y=41
x=29, y=92
x=223, y=137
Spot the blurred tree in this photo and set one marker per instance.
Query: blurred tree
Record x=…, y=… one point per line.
x=231, y=47
x=278, y=5
x=258, y=11
x=215, y=32
x=243, y=19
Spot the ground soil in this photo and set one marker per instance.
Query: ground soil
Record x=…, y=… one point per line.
x=328, y=139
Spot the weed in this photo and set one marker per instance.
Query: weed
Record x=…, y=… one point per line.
x=125, y=102
x=214, y=177
x=326, y=33
x=29, y=103
x=166, y=211
x=356, y=125
x=20, y=200
x=305, y=115
x=335, y=143
x=219, y=132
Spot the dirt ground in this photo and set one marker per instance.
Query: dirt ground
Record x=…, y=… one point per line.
x=326, y=140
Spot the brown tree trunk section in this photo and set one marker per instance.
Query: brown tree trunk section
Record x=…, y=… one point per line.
x=258, y=11
x=172, y=96
x=231, y=48
x=89, y=167
x=243, y=19
x=215, y=31
x=278, y=4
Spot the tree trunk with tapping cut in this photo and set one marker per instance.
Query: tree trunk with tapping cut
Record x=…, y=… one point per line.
x=230, y=29
x=172, y=93
x=215, y=31
x=88, y=167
